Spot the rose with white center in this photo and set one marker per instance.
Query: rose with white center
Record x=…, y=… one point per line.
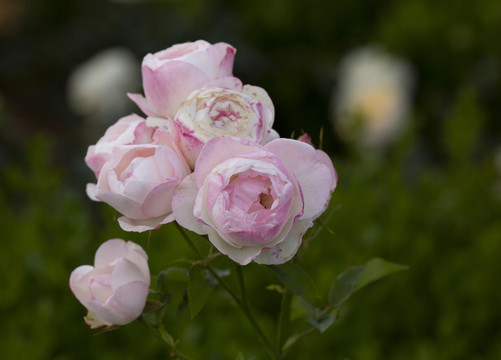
x=241, y=111
x=255, y=202
x=115, y=289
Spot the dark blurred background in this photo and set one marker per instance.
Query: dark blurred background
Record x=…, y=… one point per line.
x=430, y=199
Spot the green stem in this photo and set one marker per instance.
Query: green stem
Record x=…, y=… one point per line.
x=165, y=337
x=211, y=270
x=275, y=354
x=283, y=320
x=241, y=302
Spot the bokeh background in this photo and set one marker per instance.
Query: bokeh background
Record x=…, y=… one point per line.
x=431, y=199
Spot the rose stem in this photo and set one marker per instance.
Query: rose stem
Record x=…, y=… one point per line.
x=283, y=319
x=165, y=337
x=242, y=303
x=247, y=310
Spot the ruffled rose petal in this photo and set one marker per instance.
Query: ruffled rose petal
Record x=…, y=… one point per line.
x=242, y=256
x=315, y=178
x=211, y=154
x=286, y=250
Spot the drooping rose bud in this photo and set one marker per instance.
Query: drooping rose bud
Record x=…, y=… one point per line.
x=115, y=289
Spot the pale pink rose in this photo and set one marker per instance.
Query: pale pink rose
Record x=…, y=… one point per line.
x=131, y=129
x=115, y=289
x=255, y=202
x=170, y=75
x=241, y=111
x=139, y=181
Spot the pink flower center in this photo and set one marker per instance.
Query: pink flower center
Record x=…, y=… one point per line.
x=252, y=206
x=223, y=115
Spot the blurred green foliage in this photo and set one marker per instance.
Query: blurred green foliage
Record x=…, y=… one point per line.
x=431, y=202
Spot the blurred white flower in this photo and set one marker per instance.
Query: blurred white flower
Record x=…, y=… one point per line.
x=372, y=100
x=97, y=88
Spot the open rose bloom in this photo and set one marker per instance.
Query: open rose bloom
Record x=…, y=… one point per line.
x=255, y=202
x=243, y=111
x=139, y=181
x=115, y=289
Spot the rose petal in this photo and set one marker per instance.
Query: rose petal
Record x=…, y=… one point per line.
x=315, y=178
x=91, y=191
x=166, y=87
x=286, y=250
x=134, y=225
x=79, y=282
x=211, y=154
x=183, y=203
x=109, y=251
x=125, y=271
x=242, y=256
x=126, y=304
x=142, y=103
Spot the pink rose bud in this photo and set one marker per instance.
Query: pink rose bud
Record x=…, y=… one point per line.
x=115, y=289
x=131, y=129
x=306, y=139
x=170, y=75
x=242, y=111
x=139, y=181
x=255, y=202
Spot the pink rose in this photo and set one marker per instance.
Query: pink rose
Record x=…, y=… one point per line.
x=242, y=111
x=139, y=181
x=255, y=202
x=115, y=289
x=131, y=129
x=170, y=75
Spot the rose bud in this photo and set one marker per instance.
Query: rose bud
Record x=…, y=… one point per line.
x=115, y=289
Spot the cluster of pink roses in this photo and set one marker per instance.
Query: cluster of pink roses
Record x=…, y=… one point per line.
x=207, y=157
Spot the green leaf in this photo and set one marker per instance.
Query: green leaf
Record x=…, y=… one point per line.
x=357, y=277
x=294, y=338
x=296, y=280
x=376, y=269
x=213, y=281
x=321, y=317
x=324, y=322
x=152, y=306
x=198, y=289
